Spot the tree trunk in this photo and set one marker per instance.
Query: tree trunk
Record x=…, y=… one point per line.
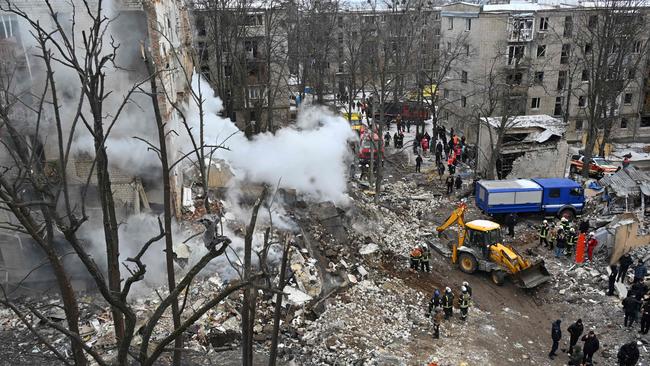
x=277, y=312
x=380, y=167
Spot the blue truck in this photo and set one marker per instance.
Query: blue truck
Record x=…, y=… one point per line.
x=549, y=196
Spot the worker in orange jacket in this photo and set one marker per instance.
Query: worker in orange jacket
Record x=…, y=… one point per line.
x=416, y=257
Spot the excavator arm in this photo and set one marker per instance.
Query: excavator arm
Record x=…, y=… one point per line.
x=456, y=217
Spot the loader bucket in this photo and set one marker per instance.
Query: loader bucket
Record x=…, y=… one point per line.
x=532, y=276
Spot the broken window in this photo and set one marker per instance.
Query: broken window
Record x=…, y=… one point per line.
x=566, y=53
x=588, y=48
x=627, y=99
x=515, y=53
x=251, y=49
x=561, y=79
x=521, y=29
x=559, y=102
x=623, y=123
x=638, y=45
x=568, y=26
x=585, y=75
x=539, y=77
x=534, y=103
x=582, y=101
x=541, y=51
x=578, y=125
x=514, y=78
x=543, y=24
x=630, y=74
x=645, y=121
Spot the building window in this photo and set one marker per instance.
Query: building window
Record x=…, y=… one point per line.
x=561, y=80
x=200, y=26
x=436, y=31
x=541, y=51
x=445, y=94
x=645, y=122
x=582, y=101
x=463, y=101
x=630, y=74
x=539, y=77
x=627, y=99
x=585, y=75
x=467, y=50
x=559, y=102
x=593, y=21
x=514, y=78
x=623, y=123
x=447, y=115
x=566, y=52
x=543, y=24
x=468, y=24
x=534, y=103
x=588, y=48
x=436, y=16
x=568, y=26
x=578, y=125
x=436, y=46
x=515, y=53
x=450, y=23
x=638, y=45
x=448, y=46
x=463, y=77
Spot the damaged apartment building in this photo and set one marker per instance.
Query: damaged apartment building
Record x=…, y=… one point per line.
x=164, y=27
x=242, y=51
x=531, y=146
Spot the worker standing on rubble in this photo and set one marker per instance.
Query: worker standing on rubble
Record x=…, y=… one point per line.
x=416, y=255
x=468, y=287
x=458, y=183
x=571, y=240
x=564, y=222
x=465, y=299
x=511, y=221
x=448, y=303
x=439, y=150
x=625, y=261
x=591, y=346
x=645, y=317
x=575, y=331
x=638, y=290
x=631, y=307
x=387, y=139
x=424, y=260
x=560, y=243
x=556, y=335
x=612, y=279
x=640, y=271
x=418, y=163
x=434, y=303
x=592, y=243
x=543, y=234
x=441, y=169
x=628, y=354
x=437, y=320
x=450, y=184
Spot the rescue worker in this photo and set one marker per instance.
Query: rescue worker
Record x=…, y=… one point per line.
x=434, y=303
x=638, y=290
x=592, y=243
x=425, y=145
x=612, y=279
x=468, y=287
x=437, y=320
x=628, y=354
x=464, y=303
x=556, y=335
x=439, y=150
x=640, y=271
x=571, y=240
x=458, y=183
x=416, y=255
x=645, y=317
x=450, y=184
x=387, y=139
x=396, y=140
x=625, y=261
x=424, y=260
x=418, y=163
x=543, y=234
x=631, y=307
x=560, y=243
x=564, y=222
x=511, y=221
x=591, y=346
x=448, y=303
x=575, y=330
x=441, y=169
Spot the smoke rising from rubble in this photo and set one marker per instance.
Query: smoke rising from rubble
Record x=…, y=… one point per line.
x=311, y=157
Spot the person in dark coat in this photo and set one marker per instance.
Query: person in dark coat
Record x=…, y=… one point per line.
x=458, y=183
x=625, y=262
x=638, y=290
x=640, y=271
x=439, y=150
x=576, y=357
x=387, y=139
x=631, y=306
x=628, y=354
x=575, y=330
x=584, y=226
x=434, y=303
x=418, y=163
x=448, y=303
x=645, y=317
x=511, y=221
x=591, y=346
x=450, y=184
x=556, y=335
x=441, y=169
x=612, y=279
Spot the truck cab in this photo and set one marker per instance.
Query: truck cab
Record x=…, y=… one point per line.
x=563, y=197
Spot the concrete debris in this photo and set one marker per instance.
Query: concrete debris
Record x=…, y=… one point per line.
x=295, y=296
x=368, y=249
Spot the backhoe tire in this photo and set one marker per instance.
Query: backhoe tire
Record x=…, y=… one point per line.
x=468, y=263
x=498, y=277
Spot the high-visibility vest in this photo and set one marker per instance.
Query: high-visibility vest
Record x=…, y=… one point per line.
x=543, y=231
x=464, y=301
x=447, y=301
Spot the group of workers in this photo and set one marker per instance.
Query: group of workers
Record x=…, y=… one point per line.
x=441, y=306
x=564, y=237
x=419, y=258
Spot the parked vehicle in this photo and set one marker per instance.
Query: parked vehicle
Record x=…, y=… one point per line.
x=367, y=145
x=550, y=196
x=407, y=110
x=598, y=168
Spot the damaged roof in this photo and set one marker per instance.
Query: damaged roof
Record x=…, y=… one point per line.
x=628, y=181
x=544, y=126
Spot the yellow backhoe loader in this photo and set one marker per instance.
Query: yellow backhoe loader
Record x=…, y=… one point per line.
x=480, y=247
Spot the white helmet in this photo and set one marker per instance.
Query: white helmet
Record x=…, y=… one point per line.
x=447, y=289
x=592, y=233
x=545, y=221
x=564, y=219
x=465, y=283
x=464, y=289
